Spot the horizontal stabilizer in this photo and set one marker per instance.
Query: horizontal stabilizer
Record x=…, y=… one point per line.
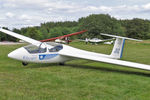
x=119, y=37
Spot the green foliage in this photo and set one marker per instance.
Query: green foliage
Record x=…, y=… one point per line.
x=5, y=37
x=33, y=33
x=137, y=28
x=95, y=24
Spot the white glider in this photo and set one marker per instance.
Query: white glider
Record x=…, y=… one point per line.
x=96, y=40
x=60, y=53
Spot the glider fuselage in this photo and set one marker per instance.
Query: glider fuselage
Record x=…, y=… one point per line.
x=31, y=53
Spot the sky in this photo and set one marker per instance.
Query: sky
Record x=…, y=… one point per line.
x=23, y=13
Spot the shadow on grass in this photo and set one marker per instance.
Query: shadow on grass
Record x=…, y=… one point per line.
x=42, y=65
x=109, y=70
x=104, y=69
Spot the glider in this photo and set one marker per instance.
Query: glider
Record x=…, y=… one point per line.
x=65, y=37
x=96, y=40
x=39, y=52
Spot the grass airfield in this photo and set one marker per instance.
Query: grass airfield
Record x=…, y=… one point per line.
x=77, y=79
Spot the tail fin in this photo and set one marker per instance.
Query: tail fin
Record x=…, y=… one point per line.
x=118, y=46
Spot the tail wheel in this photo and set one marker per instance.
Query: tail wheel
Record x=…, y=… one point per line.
x=24, y=63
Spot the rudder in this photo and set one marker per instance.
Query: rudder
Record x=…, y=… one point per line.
x=118, y=48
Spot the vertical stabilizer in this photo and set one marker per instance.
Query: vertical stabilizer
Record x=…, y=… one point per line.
x=118, y=48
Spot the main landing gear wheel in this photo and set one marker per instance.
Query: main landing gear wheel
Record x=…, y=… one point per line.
x=62, y=63
x=24, y=63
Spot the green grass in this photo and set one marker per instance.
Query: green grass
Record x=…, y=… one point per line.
x=78, y=79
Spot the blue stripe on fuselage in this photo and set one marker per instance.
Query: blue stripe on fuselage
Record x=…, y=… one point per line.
x=47, y=56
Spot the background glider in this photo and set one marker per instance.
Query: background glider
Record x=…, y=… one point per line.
x=65, y=37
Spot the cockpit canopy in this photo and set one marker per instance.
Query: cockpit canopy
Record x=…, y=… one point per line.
x=56, y=48
x=34, y=49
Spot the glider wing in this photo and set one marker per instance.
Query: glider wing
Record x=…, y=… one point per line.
x=19, y=36
x=61, y=37
x=77, y=53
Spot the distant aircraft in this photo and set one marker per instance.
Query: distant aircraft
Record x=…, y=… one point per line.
x=39, y=52
x=96, y=41
x=65, y=37
x=111, y=42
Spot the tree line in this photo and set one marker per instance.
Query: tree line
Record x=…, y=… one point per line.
x=95, y=24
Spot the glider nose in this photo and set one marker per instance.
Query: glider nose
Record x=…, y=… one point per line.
x=16, y=54
x=11, y=55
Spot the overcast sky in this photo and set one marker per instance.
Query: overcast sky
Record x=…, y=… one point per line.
x=22, y=13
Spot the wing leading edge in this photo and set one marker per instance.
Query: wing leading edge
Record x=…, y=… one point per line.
x=76, y=53
x=16, y=35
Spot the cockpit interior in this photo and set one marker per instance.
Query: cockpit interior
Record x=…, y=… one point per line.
x=34, y=49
